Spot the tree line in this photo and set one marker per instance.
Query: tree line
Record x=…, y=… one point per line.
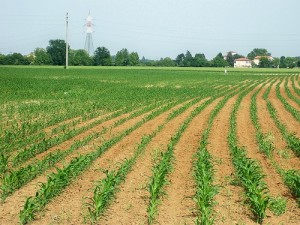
x=55, y=54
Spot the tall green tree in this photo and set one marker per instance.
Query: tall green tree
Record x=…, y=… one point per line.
x=200, y=60
x=282, y=63
x=166, y=62
x=41, y=57
x=258, y=52
x=188, y=59
x=264, y=62
x=16, y=59
x=2, y=59
x=122, y=58
x=179, y=59
x=290, y=62
x=80, y=58
x=219, y=61
x=102, y=57
x=230, y=59
x=134, y=59
x=57, y=51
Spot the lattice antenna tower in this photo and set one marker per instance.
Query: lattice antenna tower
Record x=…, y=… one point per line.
x=89, y=35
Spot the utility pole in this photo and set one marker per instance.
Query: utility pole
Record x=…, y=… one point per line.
x=67, y=45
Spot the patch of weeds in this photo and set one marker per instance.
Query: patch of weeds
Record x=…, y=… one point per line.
x=234, y=181
x=284, y=153
x=218, y=161
x=277, y=205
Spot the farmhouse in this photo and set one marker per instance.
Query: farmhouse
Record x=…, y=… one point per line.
x=242, y=63
x=257, y=59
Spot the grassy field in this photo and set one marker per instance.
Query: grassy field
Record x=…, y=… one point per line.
x=141, y=145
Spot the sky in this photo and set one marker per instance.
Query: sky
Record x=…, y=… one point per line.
x=155, y=28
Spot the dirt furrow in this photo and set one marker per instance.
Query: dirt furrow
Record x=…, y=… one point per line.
x=130, y=206
x=297, y=80
x=284, y=94
x=284, y=115
x=178, y=206
x=14, y=203
x=282, y=155
x=68, y=207
x=246, y=137
x=229, y=208
x=67, y=144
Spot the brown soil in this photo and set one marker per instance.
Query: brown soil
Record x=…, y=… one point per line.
x=229, y=208
x=284, y=115
x=178, y=206
x=290, y=101
x=67, y=144
x=131, y=202
x=268, y=127
x=14, y=203
x=297, y=80
x=246, y=137
x=69, y=206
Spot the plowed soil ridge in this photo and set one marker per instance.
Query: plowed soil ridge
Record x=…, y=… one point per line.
x=283, y=114
x=293, y=103
x=178, y=206
x=14, y=203
x=246, y=137
x=131, y=202
x=229, y=207
x=269, y=128
x=71, y=200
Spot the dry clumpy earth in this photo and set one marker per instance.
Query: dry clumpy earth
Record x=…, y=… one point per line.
x=176, y=205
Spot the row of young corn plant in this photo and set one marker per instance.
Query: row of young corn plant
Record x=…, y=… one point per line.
x=65, y=128
x=290, y=177
x=264, y=144
x=291, y=139
x=294, y=80
x=105, y=191
x=17, y=178
x=19, y=130
x=42, y=139
x=205, y=190
x=106, y=188
x=58, y=125
x=164, y=166
x=55, y=134
x=286, y=105
x=13, y=180
x=288, y=92
x=26, y=154
x=248, y=171
x=63, y=177
x=203, y=172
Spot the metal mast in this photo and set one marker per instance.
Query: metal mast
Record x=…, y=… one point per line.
x=89, y=38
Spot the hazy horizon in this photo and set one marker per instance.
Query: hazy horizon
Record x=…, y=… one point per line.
x=153, y=28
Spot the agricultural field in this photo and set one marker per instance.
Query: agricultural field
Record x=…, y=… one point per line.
x=149, y=146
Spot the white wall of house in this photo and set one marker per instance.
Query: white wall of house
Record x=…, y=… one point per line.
x=257, y=59
x=242, y=64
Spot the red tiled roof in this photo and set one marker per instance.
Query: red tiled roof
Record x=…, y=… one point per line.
x=242, y=59
x=259, y=57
